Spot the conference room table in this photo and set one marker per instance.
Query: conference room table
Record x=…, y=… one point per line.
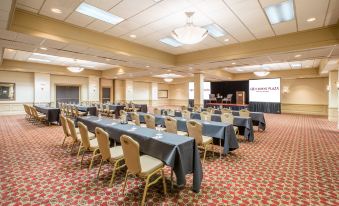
x=116, y=108
x=91, y=110
x=179, y=152
x=221, y=131
x=52, y=114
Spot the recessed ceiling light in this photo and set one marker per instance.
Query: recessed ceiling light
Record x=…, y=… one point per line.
x=298, y=55
x=170, y=41
x=215, y=30
x=107, y=59
x=133, y=36
x=280, y=12
x=295, y=65
x=39, y=60
x=169, y=70
x=97, y=13
x=311, y=19
x=55, y=10
x=43, y=48
x=234, y=63
x=226, y=40
x=148, y=66
x=190, y=68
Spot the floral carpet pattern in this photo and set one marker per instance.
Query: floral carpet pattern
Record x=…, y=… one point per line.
x=294, y=162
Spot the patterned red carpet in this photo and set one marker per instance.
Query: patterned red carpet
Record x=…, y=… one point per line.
x=294, y=162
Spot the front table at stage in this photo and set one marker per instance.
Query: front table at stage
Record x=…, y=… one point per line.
x=179, y=152
x=217, y=130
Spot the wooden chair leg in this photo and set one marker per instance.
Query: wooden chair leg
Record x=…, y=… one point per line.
x=92, y=160
x=113, y=174
x=79, y=150
x=203, y=160
x=82, y=158
x=63, y=142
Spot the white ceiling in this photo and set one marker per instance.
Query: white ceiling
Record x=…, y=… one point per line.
x=54, y=60
x=149, y=20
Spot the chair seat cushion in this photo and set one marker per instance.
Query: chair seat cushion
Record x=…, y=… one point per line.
x=206, y=140
x=90, y=135
x=116, y=152
x=149, y=164
x=94, y=144
x=182, y=133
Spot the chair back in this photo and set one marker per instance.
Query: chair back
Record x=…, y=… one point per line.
x=122, y=112
x=229, y=96
x=103, y=143
x=71, y=128
x=206, y=116
x=226, y=110
x=194, y=129
x=171, y=125
x=244, y=113
x=150, y=121
x=84, y=135
x=29, y=110
x=209, y=109
x=34, y=112
x=156, y=111
x=64, y=125
x=135, y=118
x=186, y=114
x=227, y=118
x=196, y=109
x=183, y=108
x=131, y=153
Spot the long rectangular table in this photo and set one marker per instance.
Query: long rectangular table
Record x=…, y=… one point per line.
x=179, y=152
x=52, y=114
x=90, y=109
x=217, y=130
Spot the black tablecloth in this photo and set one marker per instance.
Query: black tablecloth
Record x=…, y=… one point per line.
x=142, y=107
x=178, y=152
x=90, y=109
x=52, y=114
x=116, y=109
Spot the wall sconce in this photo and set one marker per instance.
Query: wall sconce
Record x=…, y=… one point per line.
x=42, y=86
x=286, y=90
x=328, y=88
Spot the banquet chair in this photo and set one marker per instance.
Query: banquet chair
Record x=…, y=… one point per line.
x=194, y=129
x=143, y=166
x=150, y=121
x=226, y=110
x=156, y=111
x=227, y=99
x=113, y=155
x=228, y=118
x=76, y=137
x=133, y=108
x=172, y=127
x=135, y=118
x=209, y=109
x=79, y=113
x=196, y=109
x=87, y=145
x=65, y=128
x=186, y=114
x=244, y=113
x=206, y=116
x=39, y=118
x=183, y=108
x=109, y=112
x=212, y=98
x=123, y=115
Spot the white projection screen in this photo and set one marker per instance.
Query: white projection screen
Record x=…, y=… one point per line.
x=264, y=90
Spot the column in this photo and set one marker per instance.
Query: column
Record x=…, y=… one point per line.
x=153, y=94
x=42, y=88
x=93, y=88
x=332, y=96
x=199, y=90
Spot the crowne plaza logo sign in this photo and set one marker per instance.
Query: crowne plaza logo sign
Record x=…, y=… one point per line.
x=264, y=89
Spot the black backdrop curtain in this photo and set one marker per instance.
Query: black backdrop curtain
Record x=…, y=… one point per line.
x=230, y=87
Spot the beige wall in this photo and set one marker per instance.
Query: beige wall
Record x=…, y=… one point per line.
x=305, y=96
x=178, y=94
x=24, y=91
x=119, y=90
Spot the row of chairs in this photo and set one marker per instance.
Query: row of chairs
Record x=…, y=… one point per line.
x=126, y=155
x=71, y=110
x=33, y=116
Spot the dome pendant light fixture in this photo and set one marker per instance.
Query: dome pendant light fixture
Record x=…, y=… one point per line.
x=189, y=34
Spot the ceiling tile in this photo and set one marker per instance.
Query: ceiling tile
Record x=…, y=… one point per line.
x=31, y=4
x=79, y=19
x=103, y=4
x=285, y=27
x=99, y=26
x=128, y=8
x=333, y=13
x=66, y=6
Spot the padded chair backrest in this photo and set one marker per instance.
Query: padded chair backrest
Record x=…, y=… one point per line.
x=205, y=116
x=229, y=96
x=71, y=128
x=196, y=109
x=34, y=112
x=150, y=121
x=225, y=110
x=186, y=114
x=183, y=108
x=209, y=109
x=103, y=143
x=84, y=135
x=244, y=113
x=64, y=125
x=171, y=125
x=130, y=149
x=227, y=118
x=156, y=111
x=194, y=129
x=122, y=112
x=135, y=118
